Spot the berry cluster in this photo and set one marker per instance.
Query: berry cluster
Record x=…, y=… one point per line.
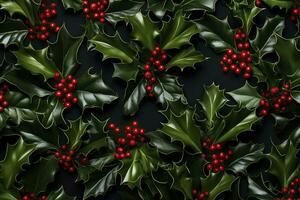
x=215, y=155
x=95, y=10
x=46, y=25
x=131, y=138
x=295, y=12
x=238, y=61
x=68, y=160
x=199, y=195
x=275, y=100
x=3, y=103
x=65, y=89
x=32, y=196
x=292, y=192
x=155, y=64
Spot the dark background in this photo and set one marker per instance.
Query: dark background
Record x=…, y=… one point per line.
x=148, y=116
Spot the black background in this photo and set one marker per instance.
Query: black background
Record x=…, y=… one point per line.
x=148, y=116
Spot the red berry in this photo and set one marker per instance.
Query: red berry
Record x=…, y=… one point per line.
x=128, y=154
x=102, y=20
x=93, y=6
x=58, y=94
x=75, y=100
x=247, y=75
x=221, y=168
x=67, y=104
x=4, y=104
x=229, y=51
x=71, y=170
x=263, y=112
x=149, y=88
x=147, y=67
x=148, y=75
x=111, y=126
x=57, y=154
x=161, y=68
x=132, y=142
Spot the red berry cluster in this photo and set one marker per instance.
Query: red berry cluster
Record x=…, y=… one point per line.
x=32, y=196
x=3, y=103
x=275, y=100
x=42, y=30
x=67, y=158
x=295, y=14
x=292, y=192
x=65, y=89
x=215, y=155
x=95, y=10
x=155, y=64
x=199, y=195
x=238, y=61
x=130, y=139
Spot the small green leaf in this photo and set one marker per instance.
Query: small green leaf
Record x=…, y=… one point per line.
x=191, y=5
x=126, y=72
x=135, y=96
x=59, y=195
x=12, y=31
x=75, y=131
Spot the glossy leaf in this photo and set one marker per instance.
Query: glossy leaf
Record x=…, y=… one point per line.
x=280, y=3
x=12, y=31
x=75, y=131
x=190, y=5
x=126, y=72
x=59, y=195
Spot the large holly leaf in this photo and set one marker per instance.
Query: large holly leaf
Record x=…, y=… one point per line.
x=39, y=175
x=280, y=3
x=217, y=33
x=16, y=156
x=143, y=161
x=126, y=72
x=183, y=128
x=246, y=96
x=36, y=61
x=59, y=195
x=186, y=58
x=27, y=8
x=190, y=5
x=143, y=30
x=258, y=189
x=160, y=7
x=75, y=131
x=236, y=122
x=162, y=142
x=93, y=92
x=177, y=32
x=217, y=183
x=285, y=164
x=212, y=101
x=64, y=51
x=167, y=89
x=245, y=154
x=12, y=31
x=113, y=47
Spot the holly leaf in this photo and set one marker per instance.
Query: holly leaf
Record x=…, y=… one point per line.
x=39, y=175
x=126, y=72
x=191, y=5
x=159, y=7
x=16, y=156
x=143, y=30
x=177, y=32
x=245, y=155
x=8, y=194
x=64, y=51
x=212, y=101
x=183, y=128
x=186, y=58
x=92, y=92
x=217, y=33
x=162, y=142
x=75, y=131
x=113, y=47
x=36, y=61
x=59, y=195
x=27, y=8
x=167, y=89
x=236, y=122
x=76, y=5
x=143, y=161
x=12, y=31
x=217, y=184
x=280, y=3
x=258, y=189
x=246, y=96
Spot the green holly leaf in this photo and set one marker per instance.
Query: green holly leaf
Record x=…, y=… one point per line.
x=181, y=180
x=258, y=189
x=134, y=96
x=265, y=72
x=183, y=128
x=245, y=155
x=12, y=31
x=162, y=142
x=167, y=89
x=280, y=3
x=92, y=92
x=265, y=39
x=27, y=8
x=246, y=96
x=76, y=5
x=36, y=61
x=16, y=156
x=236, y=122
x=159, y=7
x=64, y=51
x=177, y=32
x=217, y=33
x=191, y=5
x=59, y=195
x=296, y=95
x=285, y=164
x=217, y=183
x=126, y=72
x=143, y=161
x=186, y=58
x=143, y=30
x=8, y=194
x=40, y=175
x=113, y=47
x=212, y=101
x=75, y=131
